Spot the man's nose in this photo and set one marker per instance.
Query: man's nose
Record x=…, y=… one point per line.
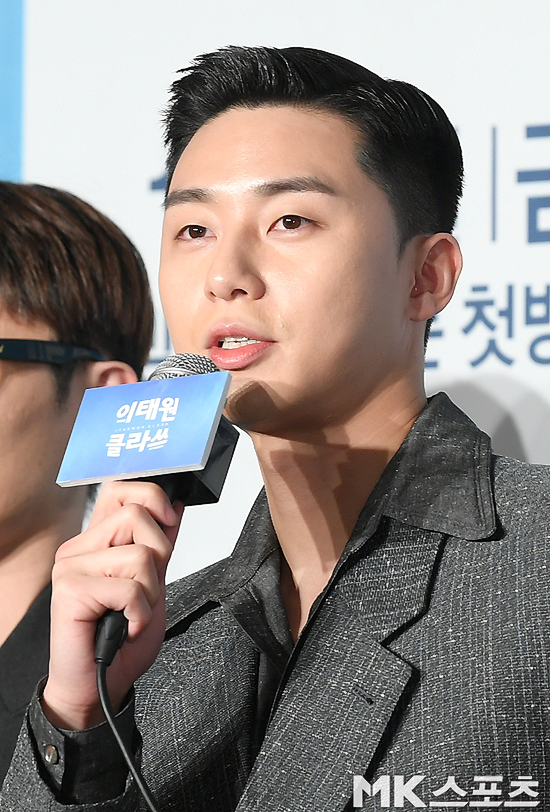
x=234, y=272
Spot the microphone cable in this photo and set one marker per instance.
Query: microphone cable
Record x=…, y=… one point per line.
x=110, y=635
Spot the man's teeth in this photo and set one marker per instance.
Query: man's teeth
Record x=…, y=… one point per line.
x=234, y=342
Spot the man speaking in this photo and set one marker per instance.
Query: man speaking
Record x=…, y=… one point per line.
x=382, y=620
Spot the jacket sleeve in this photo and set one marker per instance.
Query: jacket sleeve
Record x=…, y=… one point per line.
x=54, y=770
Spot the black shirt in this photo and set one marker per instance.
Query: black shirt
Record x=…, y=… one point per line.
x=23, y=661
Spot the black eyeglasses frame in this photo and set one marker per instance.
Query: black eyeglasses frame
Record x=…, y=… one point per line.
x=45, y=352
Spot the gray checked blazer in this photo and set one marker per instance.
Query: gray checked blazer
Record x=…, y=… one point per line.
x=423, y=670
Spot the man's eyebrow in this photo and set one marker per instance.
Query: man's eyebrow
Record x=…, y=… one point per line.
x=187, y=196
x=299, y=184
x=268, y=188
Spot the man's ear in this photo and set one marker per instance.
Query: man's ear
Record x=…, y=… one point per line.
x=109, y=373
x=438, y=266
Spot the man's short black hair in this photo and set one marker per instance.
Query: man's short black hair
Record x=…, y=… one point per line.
x=408, y=147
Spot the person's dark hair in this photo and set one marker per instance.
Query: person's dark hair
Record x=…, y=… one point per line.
x=64, y=263
x=408, y=145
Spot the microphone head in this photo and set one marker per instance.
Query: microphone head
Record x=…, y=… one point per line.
x=181, y=364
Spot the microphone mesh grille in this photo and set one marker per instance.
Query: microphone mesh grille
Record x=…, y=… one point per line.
x=176, y=366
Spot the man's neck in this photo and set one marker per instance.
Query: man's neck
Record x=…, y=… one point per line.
x=318, y=484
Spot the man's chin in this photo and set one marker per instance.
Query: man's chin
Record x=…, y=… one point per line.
x=250, y=405
x=259, y=408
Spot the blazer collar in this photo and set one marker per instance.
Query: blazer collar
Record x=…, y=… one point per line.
x=439, y=480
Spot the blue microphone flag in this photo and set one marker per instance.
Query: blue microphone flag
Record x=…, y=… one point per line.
x=145, y=429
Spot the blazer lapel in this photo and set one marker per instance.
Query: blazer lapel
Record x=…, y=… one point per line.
x=390, y=585
x=344, y=688
x=337, y=702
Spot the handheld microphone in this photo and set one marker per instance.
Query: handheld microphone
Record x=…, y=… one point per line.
x=192, y=488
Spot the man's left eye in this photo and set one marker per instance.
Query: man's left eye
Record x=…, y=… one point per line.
x=291, y=221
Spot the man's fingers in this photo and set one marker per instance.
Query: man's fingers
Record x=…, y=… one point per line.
x=133, y=563
x=130, y=524
x=89, y=597
x=114, y=495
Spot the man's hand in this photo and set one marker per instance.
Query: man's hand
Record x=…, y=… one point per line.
x=118, y=563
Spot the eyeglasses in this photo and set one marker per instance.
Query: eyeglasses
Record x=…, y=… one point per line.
x=44, y=352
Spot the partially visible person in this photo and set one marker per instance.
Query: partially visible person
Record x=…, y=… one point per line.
x=68, y=275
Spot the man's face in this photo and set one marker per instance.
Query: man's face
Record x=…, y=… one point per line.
x=280, y=262
x=34, y=430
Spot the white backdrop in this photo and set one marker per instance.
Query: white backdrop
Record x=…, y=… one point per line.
x=96, y=74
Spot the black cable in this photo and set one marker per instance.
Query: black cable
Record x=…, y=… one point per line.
x=111, y=632
x=108, y=711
